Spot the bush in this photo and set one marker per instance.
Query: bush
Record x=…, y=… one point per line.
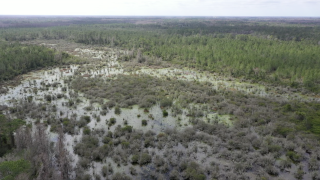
x=165, y=102
x=282, y=130
x=81, y=123
x=88, y=108
x=112, y=121
x=48, y=98
x=104, y=171
x=103, y=112
x=87, y=145
x=86, y=131
x=98, y=177
x=174, y=175
x=117, y=110
x=84, y=162
x=87, y=177
x=293, y=156
x=110, y=104
x=135, y=159
x=127, y=129
x=165, y=113
x=125, y=144
x=119, y=176
x=107, y=140
x=144, y=122
x=193, y=171
x=29, y=98
x=86, y=118
x=145, y=159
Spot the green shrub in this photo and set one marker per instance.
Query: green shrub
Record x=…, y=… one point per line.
x=65, y=122
x=104, y=171
x=88, y=108
x=165, y=113
x=117, y=110
x=144, y=122
x=86, y=131
x=300, y=115
x=87, y=177
x=282, y=129
x=107, y=140
x=81, y=123
x=125, y=144
x=127, y=129
x=86, y=118
x=30, y=98
x=293, y=156
x=194, y=172
x=48, y=98
x=165, y=102
x=87, y=145
x=135, y=159
x=287, y=108
x=119, y=176
x=103, y=112
x=112, y=121
x=145, y=159
x=70, y=102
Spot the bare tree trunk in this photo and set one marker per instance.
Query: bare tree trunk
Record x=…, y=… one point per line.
x=63, y=157
x=40, y=153
x=23, y=138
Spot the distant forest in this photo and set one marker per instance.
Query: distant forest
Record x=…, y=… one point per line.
x=274, y=50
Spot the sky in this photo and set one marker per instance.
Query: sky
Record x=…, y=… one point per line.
x=296, y=8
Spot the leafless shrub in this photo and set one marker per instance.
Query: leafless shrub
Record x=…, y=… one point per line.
x=266, y=161
x=313, y=164
x=119, y=176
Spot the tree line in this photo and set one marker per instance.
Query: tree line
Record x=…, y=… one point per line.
x=16, y=59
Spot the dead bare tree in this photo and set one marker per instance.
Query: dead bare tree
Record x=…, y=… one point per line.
x=23, y=138
x=40, y=153
x=63, y=158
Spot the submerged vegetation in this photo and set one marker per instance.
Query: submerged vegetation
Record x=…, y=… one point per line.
x=160, y=99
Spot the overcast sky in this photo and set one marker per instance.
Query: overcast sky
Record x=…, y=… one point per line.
x=162, y=7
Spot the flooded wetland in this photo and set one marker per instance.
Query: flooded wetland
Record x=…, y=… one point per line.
x=125, y=120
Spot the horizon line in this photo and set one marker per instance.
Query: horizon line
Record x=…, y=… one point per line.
x=19, y=15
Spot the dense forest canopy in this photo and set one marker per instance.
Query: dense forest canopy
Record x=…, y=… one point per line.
x=17, y=59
